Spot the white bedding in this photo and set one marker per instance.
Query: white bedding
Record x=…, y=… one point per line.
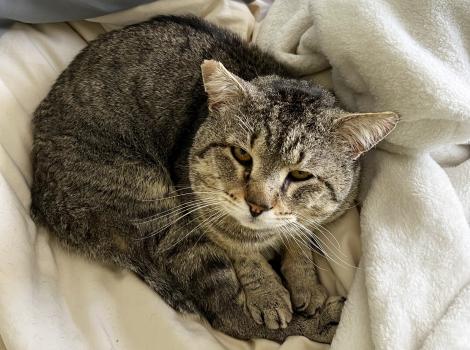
x=50, y=299
x=411, y=57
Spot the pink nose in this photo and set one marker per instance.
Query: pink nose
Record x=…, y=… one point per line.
x=256, y=209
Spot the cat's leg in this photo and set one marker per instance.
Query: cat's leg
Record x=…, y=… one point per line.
x=203, y=272
x=308, y=296
x=266, y=299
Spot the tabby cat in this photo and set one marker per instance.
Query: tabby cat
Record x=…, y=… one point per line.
x=176, y=150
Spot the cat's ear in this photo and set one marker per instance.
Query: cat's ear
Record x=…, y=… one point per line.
x=221, y=86
x=362, y=131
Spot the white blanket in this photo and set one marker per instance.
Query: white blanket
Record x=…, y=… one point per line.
x=53, y=300
x=412, y=57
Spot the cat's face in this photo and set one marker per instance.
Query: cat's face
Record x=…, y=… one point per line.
x=276, y=151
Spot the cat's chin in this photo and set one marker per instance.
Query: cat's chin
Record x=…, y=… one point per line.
x=256, y=224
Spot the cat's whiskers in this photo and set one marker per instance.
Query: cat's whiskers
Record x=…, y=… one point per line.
x=289, y=233
x=192, y=230
x=218, y=218
x=305, y=239
x=279, y=229
x=173, y=210
x=177, y=195
x=310, y=240
x=329, y=253
x=283, y=230
x=304, y=247
x=274, y=245
x=310, y=236
x=166, y=226
x=153, y=233
x=332, y=247
x=189, y=189
x=322, y=230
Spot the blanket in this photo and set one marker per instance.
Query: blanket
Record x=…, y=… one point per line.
x=411, y=57
x=51, y=299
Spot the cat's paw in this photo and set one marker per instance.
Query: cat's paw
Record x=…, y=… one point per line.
x=307, y=295
x=330, y=316
x=271, y=306
x=308, y=298
x=331, y=313
x=322, y=326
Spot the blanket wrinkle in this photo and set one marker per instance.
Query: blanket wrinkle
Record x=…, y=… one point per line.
x=412, y=58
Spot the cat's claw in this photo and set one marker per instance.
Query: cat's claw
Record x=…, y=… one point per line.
x=273, y=309
x=324, y=323
x=309, y=299
x=331, y=313
x=307, y=295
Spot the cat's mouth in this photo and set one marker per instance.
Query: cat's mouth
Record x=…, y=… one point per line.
x=241, y=216
x=265, y=221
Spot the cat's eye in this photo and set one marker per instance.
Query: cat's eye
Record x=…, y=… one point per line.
x=242, y=156
x=299, y=175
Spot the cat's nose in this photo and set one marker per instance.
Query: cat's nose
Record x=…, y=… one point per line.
x=256, y=209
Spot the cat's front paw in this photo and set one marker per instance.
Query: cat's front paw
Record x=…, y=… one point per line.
x=308, y=298
x=270, y=306
x=307, y=295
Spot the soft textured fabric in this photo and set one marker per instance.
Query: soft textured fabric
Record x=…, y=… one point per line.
x=410, y=57
x=50, y=299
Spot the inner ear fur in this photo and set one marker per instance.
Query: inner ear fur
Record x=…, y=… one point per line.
x=362, y=131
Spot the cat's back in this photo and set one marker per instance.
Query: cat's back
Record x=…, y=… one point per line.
x=133, y=100
x=145, y=76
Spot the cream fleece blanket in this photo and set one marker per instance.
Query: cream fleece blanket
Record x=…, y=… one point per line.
x=53, y=300
x=411, y=57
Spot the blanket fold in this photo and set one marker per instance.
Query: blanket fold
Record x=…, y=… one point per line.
x=410, y=57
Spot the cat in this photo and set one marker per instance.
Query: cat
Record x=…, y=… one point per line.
x=176, y=150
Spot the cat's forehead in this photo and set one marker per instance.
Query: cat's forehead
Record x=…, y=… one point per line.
x=293, y=95
x=289, y=118
x=287, y=145
x=290, y=109
x=287, y=134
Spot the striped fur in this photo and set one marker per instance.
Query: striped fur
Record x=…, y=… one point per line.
x=131, y=167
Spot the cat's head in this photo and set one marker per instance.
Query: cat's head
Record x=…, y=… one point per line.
x=275, y=151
